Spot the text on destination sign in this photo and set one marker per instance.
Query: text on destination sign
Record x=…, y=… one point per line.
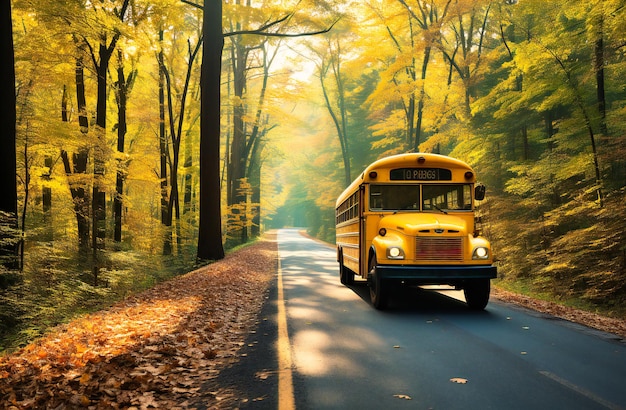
x=420, y=174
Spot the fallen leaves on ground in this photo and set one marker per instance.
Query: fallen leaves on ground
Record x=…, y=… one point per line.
x=592, y=320
x=152, y=350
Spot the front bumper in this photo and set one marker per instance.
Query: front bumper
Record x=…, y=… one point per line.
x=435, y=274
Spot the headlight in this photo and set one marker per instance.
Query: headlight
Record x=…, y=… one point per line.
x=480, y=253
x=395, y=253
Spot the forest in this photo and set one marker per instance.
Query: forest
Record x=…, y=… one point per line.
x=108, y=105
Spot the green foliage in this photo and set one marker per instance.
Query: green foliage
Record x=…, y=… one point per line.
x=240, y=217
x=54, y=289
x=574, y=251
x=510, y=87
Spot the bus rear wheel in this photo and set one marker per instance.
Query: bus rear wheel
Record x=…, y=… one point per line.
x=346, y=276
x=378, y=287
x=477, y=293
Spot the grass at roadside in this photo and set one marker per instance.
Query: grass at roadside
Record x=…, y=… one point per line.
x=616, y=311
x=520, y=294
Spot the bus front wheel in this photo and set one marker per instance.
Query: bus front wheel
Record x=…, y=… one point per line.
x=477, y=293
x=378, y=287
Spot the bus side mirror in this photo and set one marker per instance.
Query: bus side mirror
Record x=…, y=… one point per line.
x=479, y=192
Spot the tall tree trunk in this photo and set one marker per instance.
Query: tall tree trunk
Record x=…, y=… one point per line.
x=343, y=141
x=46, y=199
x=8, y=156
x=123, y=87
x=256, y=144
x=255, y=197
x=210, y=245
x=254, y=178
x=420, y=103
x=188, y=175
x=599, y=71
x=77, y=169
x=26, y=183
x=343, y=112
x=176, y=131
x=188, y=181
x=410, y=119
x=166, y=219
x=236, y=197
x=525, y=144
x=98, y=200
x=21, y=119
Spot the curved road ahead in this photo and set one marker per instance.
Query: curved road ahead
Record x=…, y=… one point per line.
x=428, y=351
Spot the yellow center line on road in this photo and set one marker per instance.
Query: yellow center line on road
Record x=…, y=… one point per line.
x=285, y=378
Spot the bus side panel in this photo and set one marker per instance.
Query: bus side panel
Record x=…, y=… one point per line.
x=348, y=242
x=370, y=230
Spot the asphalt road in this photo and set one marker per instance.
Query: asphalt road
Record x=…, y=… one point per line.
x=427, y=351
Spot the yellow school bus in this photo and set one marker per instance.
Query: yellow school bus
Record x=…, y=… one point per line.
x=410, y=219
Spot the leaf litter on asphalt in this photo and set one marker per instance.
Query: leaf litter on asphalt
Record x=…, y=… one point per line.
x=155, y=349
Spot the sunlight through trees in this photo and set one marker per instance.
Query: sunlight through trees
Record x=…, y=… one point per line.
x=120, y=180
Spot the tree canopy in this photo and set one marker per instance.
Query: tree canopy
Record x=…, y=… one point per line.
x=110, y=136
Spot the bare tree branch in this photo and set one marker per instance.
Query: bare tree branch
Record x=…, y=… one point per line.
x=193, y=4
x=262, y=28
x=262, y=31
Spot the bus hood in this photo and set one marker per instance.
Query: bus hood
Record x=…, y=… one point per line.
x=414, y=223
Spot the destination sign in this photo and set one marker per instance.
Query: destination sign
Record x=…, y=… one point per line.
x=420, y=174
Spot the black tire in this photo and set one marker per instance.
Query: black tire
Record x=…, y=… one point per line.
x=477, y=293
x=346, y=276
x=379, y=292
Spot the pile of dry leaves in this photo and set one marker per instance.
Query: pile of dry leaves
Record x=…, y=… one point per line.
x=154, y=349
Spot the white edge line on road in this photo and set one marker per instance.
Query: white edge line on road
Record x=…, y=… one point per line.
x=285, y=378
x=580, y=390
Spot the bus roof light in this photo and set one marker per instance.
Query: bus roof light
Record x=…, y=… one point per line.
x=421, y=160
x=373, y=174
x=469, y=175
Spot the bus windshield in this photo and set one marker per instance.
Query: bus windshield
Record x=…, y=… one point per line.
x=425, y=197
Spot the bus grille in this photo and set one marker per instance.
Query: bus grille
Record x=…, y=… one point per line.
x=438, y=249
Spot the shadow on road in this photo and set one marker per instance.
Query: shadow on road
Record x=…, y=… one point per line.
x=412, y=299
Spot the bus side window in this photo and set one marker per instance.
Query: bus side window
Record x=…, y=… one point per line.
x=467, y=197
x=376, y=201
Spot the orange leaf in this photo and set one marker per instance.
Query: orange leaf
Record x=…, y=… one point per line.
x=80, y=348
x=84, y=379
